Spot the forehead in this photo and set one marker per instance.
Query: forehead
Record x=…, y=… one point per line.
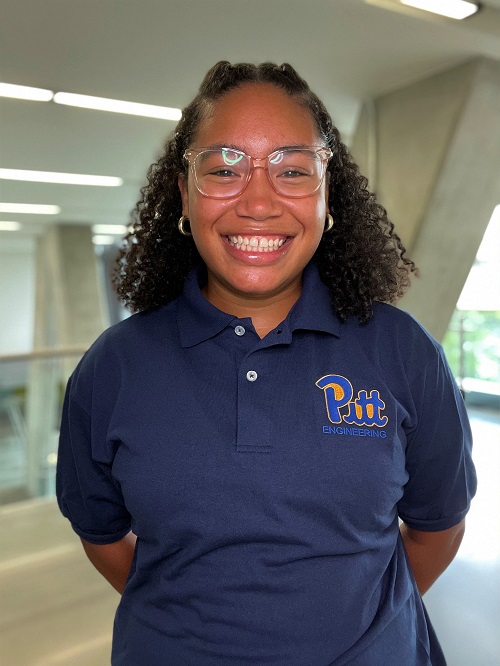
x=257, y=118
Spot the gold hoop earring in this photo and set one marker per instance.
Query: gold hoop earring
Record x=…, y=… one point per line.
x=329, y=223
x=180, y=226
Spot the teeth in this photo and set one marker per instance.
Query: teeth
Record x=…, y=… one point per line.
x=255, y=244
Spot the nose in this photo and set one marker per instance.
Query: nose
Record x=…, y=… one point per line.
x=258, y=200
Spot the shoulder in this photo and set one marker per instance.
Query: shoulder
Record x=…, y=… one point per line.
x=395, y=335
x=136, y=331
x=388, y=318
x=140, y=326
x=124, y=345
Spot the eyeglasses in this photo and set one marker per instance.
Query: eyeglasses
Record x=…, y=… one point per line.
x=222, y=173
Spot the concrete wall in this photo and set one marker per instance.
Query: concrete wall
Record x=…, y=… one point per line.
x=433, y=150
x=70, y=304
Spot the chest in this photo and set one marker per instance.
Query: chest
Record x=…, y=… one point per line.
x=300, y=439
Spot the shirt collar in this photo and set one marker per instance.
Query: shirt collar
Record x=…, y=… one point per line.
x=198, y=320
x=313, y=311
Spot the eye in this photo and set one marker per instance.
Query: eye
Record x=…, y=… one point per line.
x=220, y=164
x=292, y=172
x=223, y=173
x=292, y=164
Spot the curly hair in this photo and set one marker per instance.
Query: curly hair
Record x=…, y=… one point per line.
x=361, y=260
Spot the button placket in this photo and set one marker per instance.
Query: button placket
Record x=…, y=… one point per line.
x=254, y=414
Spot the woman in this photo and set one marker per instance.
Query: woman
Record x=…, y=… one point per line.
x=235, y=457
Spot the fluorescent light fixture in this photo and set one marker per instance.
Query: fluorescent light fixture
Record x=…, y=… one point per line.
x=61, y=178
x=117, y=106
x=104, y=240
x=117, y=229
x=25, y=92
x=456, y=9
x=89, y=102
x=9, y=226
x=31, y=209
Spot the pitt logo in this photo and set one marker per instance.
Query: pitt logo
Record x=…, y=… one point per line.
x=365, y=410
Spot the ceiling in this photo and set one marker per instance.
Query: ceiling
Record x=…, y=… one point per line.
x=157, y=51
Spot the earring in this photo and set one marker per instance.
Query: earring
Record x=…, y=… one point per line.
x=180, y=226
x=329, y=223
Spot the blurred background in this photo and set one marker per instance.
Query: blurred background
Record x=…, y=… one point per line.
x=416, y=97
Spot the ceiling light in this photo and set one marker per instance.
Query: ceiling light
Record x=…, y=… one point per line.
x=117, y=106
x=61, y=178
x=104, y=240
x=117, y=229
x=25, y=92
x=9, y=226
x=32, y=209
x=456, y=9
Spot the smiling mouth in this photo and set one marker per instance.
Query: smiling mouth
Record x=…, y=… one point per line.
x=256, y=244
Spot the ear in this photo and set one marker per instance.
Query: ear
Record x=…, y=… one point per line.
x=327, y=190
x=183, y=187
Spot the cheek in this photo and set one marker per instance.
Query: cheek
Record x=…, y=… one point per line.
x=312, y=214
x=205, y=212
x=205, y=215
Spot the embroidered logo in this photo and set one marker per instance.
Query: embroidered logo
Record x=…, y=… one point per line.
x=364, y=410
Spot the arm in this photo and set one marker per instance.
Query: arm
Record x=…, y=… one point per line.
x=430, y=553
x=113, y=560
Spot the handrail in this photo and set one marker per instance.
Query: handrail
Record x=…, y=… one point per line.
x=45, y=352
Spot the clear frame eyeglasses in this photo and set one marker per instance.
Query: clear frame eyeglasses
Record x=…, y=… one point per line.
x=222, y=173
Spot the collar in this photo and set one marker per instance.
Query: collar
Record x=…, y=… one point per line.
x=313, y=311
x=198, y=320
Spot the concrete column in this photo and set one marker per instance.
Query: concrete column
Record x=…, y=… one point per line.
x=68, y=312
x=433, y=152
x=70, y=303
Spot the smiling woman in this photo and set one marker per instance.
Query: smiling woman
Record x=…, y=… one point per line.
x=255, y=203
x=238, y=455
x=361, y=260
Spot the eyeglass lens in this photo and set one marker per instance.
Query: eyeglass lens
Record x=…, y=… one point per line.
x=224, y=172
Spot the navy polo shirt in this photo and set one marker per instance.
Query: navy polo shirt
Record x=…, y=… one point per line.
x=264, y=480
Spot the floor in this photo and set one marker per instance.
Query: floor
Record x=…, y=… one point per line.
x=464, y=604
x=55, y=610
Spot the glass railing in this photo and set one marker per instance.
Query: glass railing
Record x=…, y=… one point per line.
x=31, y=393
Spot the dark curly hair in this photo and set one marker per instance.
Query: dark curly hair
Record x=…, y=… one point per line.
x=361, y=260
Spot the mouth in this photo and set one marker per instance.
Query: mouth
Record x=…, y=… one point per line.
x=257, y=243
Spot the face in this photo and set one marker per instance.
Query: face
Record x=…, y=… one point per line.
x=257, y=119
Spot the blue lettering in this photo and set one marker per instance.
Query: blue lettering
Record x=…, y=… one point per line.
x=338, y=393
x=353, y=432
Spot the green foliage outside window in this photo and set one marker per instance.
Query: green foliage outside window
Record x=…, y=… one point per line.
x=472, y=344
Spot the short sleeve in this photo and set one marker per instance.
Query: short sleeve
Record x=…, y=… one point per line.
x=86, y=491
x=442, y=479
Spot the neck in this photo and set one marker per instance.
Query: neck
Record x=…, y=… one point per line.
x=266, y=312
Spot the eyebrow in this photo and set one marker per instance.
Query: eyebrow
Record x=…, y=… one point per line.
x=232, y=146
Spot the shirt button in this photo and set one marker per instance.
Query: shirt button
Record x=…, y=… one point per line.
x=239, y=330
x=251, y=375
